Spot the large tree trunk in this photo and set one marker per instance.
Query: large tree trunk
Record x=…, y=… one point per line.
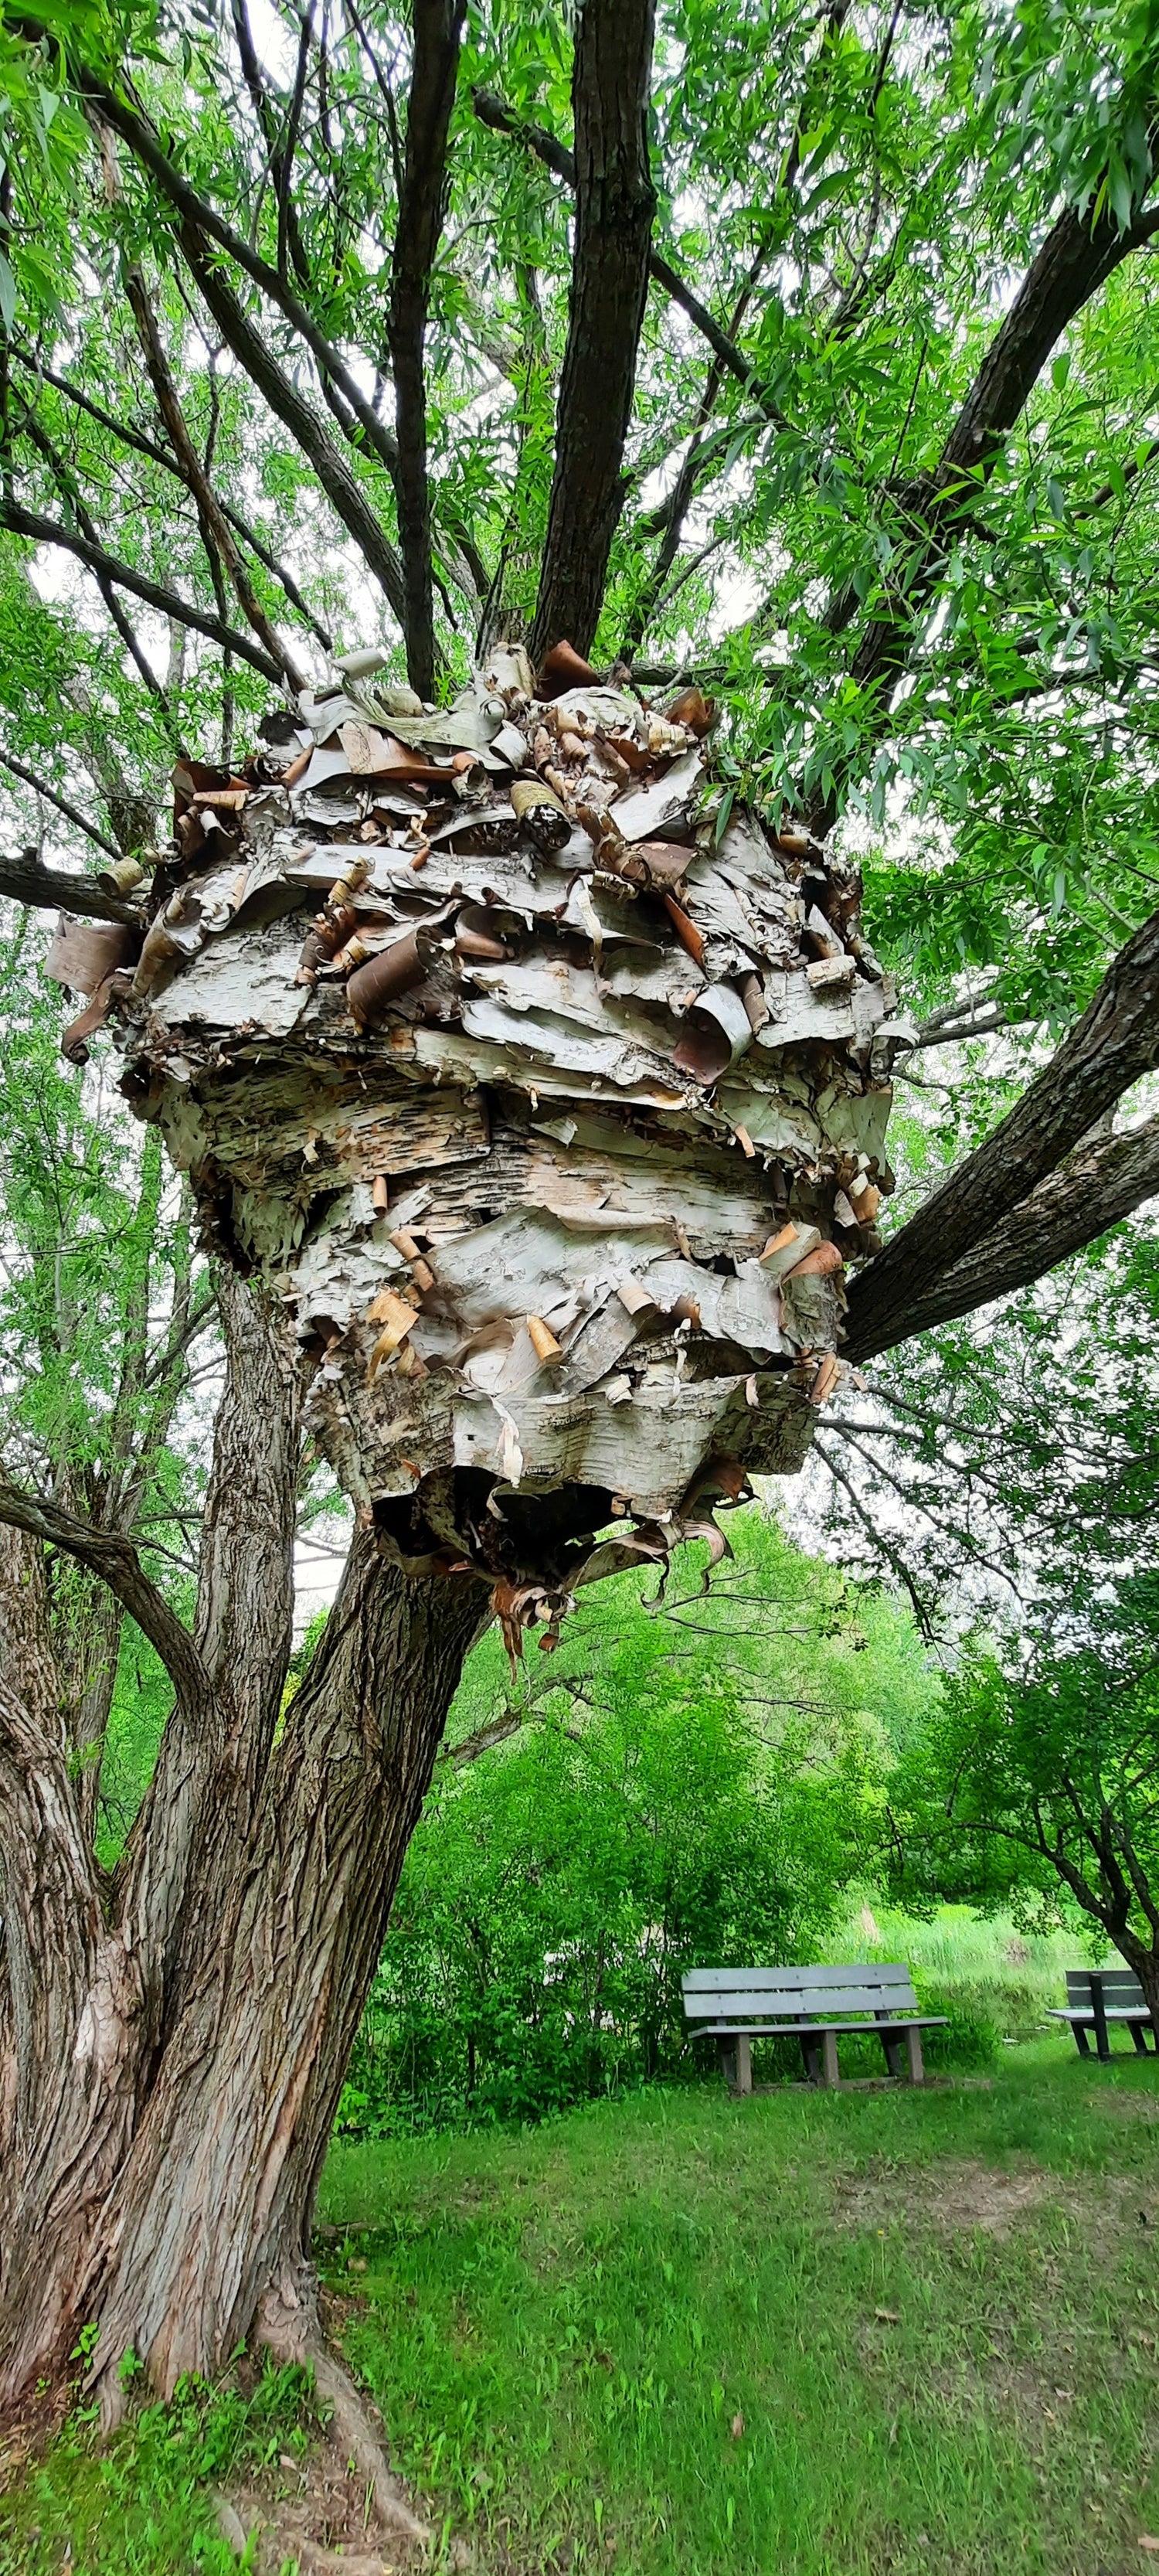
x=204, y=2219
x=71, y=1994
x=173, y=2043
x=211, y=2213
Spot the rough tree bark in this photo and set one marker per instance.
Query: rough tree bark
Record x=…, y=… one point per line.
x=1115, y=1041
x=172, y=2045
x=615, y=203
x=208, y=2224
x=438, y=27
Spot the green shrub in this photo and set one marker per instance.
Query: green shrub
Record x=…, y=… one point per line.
x=970, y=2036
x=559, y=1887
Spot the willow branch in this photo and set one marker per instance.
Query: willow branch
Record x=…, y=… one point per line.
x=127, y=435
x=217, y=536
x=1116, y=1040
x=118, y=1565
x=101, y=906
x=48, y=532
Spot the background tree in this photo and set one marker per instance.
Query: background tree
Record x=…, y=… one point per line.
x=1039, y=1786
x=302, y=338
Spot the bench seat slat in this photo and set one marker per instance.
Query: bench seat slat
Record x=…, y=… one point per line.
x=797, y=2031
x=1112, y=2012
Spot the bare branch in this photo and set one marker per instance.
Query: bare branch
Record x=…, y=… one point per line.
x=101, y=906
x=484, y=1739
x=880, y=1541
x=117, y=1563
x=48, y=532
x=129, y=436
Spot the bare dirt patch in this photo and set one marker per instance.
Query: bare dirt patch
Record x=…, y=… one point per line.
x=26, y=2430
x=955, y=2196
x=316, y=2514
x=1119, y=2104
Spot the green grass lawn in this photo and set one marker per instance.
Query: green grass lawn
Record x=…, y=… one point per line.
x=799, y=2335
x=810, y=2333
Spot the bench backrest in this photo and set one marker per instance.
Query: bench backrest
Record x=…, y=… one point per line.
x=713, y=1995
x=1121, y=1990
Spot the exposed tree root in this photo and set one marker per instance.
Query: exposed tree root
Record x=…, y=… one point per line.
x=287, y=2325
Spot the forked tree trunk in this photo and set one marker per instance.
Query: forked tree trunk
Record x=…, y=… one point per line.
x=173, y=2042
x=202, y=2229
x=211, y=2214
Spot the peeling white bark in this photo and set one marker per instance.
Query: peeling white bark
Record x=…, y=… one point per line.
x=602, y=1044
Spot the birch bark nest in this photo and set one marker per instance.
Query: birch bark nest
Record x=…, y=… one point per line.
x=549, y=1092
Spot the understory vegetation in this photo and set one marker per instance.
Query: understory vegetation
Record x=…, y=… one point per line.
x=858, y=2332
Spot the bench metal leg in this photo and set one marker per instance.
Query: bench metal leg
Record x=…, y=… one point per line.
x=1099, y=2009
x=913, y=2047
x=736, y=2063
x=1139, y=2036
x=892, y=2047
x=811, y=2052
x=1082, y=2043
x=829, y=2076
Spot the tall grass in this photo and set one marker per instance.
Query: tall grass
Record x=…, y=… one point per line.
x=985, y=1970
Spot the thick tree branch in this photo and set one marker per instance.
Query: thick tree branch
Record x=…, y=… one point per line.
x=340, y=484
x=615, y=203
x=117, y=1563
x=1116, y=1040
x=555, y=157
x=216, y=534
x=1094, y=1188
x=48, y=532
x=956, y=1021
x=29, y=871
x=1075, y=260
x=485, y=1738
x=145, y=145
x=438, y=28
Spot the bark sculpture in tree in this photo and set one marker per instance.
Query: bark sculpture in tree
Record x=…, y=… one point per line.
x=539, y=1086
x=555, y=1129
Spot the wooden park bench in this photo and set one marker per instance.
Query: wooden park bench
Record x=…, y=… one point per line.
x=734, y=2006
x=1096, y=1997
